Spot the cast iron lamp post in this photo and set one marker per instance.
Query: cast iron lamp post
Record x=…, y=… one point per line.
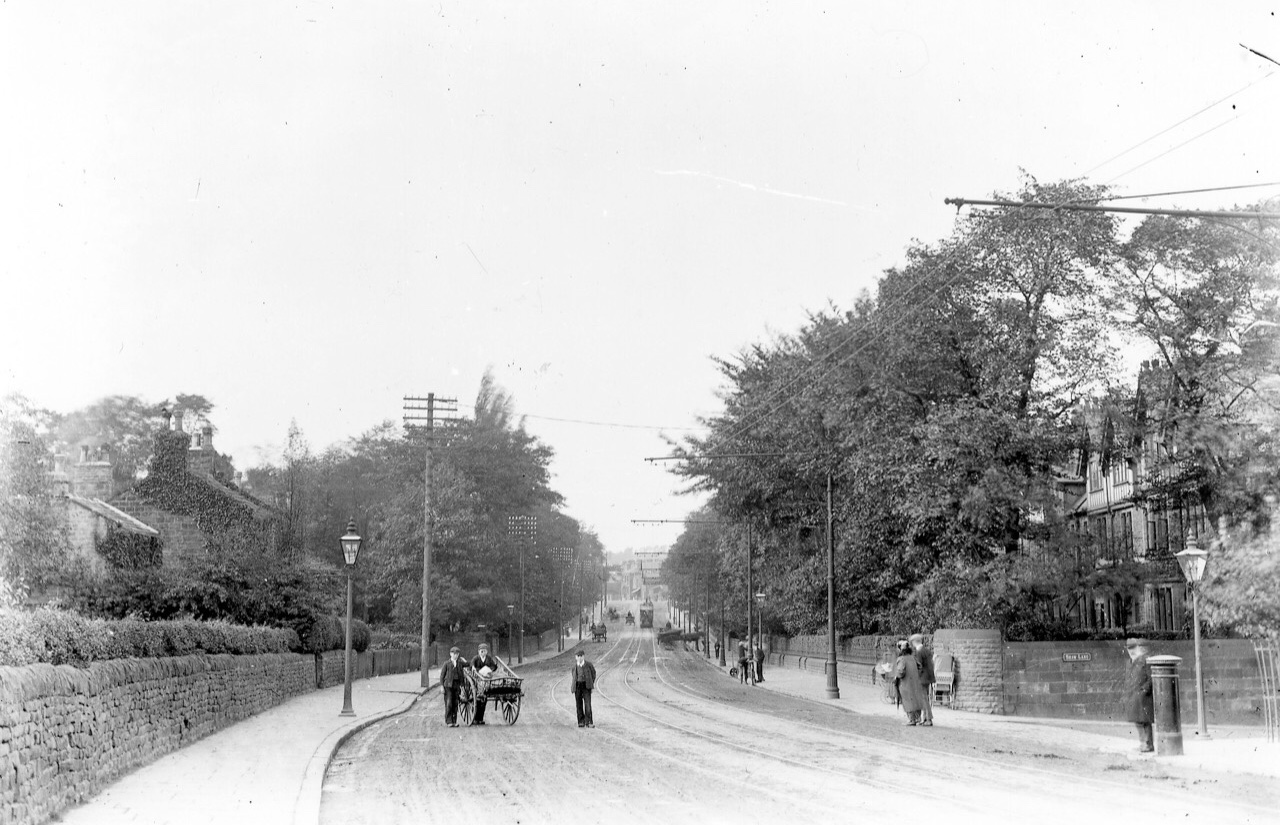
x=350, y=549
x=1192, y=560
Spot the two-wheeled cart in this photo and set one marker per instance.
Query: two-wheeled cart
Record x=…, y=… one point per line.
x=502, y=692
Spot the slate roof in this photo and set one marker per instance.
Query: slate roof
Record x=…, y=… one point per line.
x=118, y=517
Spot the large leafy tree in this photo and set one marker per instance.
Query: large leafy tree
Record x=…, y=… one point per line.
x=939, y=409
x=1202, y=294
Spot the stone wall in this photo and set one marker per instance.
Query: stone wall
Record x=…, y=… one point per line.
x=1086, y=679
x=979, y=668
x=67, y=732
x=857, y=656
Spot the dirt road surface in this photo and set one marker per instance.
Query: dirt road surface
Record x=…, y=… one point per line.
x=677, y=742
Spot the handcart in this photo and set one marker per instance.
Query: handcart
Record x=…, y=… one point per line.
x=503, y=692
x=599, y=632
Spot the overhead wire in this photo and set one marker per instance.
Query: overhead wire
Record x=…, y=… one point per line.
x=1173, y=149
x=875, y=335
x=1191, y=116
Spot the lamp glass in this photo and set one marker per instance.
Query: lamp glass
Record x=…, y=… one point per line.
x=1192, y=561
x=350, y=544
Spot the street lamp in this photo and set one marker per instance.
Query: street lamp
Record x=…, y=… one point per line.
x=1192, y=560
x=350, y=549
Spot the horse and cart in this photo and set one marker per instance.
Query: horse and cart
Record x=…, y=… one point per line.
x=502, y=691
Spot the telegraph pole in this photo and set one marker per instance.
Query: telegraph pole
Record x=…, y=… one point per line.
x=524, y=529
x=413, y=407
x=564, y=557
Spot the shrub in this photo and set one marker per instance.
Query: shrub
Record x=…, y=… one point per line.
x=361, y=635
x=384, y=638
x=18, y=645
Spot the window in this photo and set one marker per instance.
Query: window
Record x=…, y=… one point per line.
x=1162, y=608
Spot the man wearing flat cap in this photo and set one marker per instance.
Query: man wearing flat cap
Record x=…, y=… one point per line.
x=1139, y=708
x=584, y=681
x=451, y=677
x=485, y=666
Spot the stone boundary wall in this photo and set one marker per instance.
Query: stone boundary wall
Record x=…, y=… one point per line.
x=67, y=732
x=979, y=668
x=1038, y=682
x=857, y=656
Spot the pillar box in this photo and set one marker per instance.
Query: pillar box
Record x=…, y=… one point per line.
x=1168, y=713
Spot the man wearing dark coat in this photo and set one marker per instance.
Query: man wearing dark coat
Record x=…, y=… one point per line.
x=584, y=681
x=1139, y=708
x=759, y=655
x=924, y=664
x=479, y=663
x=906, y=676
x=451, y=676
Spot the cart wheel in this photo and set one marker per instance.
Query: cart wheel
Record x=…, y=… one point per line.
x=511, y=710
x=466, y=706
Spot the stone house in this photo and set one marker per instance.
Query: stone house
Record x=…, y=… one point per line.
x=187, y=507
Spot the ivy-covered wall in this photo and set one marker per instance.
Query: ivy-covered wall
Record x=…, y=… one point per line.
x=196, y=513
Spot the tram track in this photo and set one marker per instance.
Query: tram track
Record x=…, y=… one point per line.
x=965, y=771
x=980, y=764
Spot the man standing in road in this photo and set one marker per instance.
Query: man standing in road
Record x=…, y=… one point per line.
x=584, y=681
x=451, y=686
x=485, y=666
x=924, y=665
x=1140, y=709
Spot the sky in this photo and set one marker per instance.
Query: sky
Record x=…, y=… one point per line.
x=308, y=211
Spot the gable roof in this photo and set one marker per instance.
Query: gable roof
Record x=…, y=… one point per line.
x=115, y=515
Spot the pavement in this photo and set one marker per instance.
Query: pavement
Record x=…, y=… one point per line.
x=1234, y=749
x=270, y=768
x=266, y=769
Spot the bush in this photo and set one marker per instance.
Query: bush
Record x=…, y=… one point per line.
x=60, y=637
x=383, y=638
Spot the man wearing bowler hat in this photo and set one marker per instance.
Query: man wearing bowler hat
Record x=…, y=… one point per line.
x=1139, y=706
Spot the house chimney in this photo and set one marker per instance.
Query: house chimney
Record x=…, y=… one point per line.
x=202, y=455
x=91, y=476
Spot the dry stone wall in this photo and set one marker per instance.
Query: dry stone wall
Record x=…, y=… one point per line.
x=66, y=732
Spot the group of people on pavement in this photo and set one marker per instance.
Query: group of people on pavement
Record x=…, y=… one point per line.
x=913, y=677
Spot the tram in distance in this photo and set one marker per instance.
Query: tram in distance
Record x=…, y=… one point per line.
x=646, y=616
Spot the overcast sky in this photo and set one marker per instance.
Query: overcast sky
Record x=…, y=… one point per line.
x=311, y=210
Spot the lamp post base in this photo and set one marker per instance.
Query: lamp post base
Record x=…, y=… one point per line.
x=347, y=712
x=833, y=684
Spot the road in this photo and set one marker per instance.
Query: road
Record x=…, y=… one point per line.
x=676, y=741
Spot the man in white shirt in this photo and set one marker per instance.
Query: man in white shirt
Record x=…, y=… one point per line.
x=479, y=663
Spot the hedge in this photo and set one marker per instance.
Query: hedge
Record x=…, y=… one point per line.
x=60, y=637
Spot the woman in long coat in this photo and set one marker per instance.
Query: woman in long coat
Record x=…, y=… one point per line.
x=906, y=678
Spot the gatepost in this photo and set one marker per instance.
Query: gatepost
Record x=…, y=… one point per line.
x=1168, y=713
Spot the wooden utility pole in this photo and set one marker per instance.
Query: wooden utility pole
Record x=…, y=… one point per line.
x=524, y=529
x=412, y=408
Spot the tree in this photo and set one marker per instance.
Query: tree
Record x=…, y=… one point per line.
x=35, y=544
x=1203, y=294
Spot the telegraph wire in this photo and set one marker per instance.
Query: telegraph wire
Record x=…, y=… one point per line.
x=1142, y=143
x=606, y=423
x=1188, y=191
x=1174, y=149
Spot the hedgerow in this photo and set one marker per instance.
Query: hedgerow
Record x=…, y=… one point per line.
x=60, y=637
